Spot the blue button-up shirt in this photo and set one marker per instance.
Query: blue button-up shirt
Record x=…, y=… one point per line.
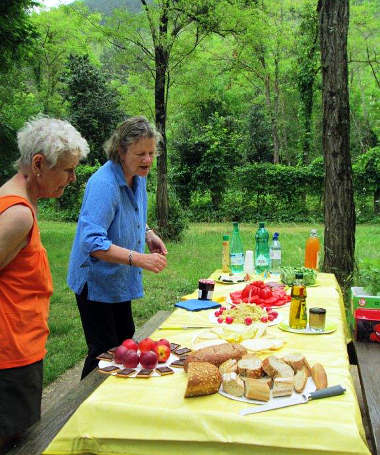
x=111, y=213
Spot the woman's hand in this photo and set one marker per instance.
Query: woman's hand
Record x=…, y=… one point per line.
x=155, y=244
x=153, y=262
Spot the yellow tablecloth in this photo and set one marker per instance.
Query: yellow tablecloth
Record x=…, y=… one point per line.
x=152, y=417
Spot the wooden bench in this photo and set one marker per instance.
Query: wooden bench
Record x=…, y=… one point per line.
x=368, y=361
x=39, y=436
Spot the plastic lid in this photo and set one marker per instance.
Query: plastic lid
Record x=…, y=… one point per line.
x=261, y=224
x=316, y=310
x=276, y=236
x=226, y=237
x=299, y=276
x=313, y=232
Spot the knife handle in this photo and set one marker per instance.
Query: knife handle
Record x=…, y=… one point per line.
x=328, y=392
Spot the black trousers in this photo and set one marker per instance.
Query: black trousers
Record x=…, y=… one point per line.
x=105, y=325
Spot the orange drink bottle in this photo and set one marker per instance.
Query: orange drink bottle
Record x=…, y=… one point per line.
x=312, y=251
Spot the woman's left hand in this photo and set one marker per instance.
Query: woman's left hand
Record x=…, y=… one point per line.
x=155, y=244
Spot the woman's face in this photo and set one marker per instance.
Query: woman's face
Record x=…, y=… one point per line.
x=53, y=181
x=138, y=159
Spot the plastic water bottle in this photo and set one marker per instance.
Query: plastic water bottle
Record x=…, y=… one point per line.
x=262, y=259
x=236, y=251
x=275, y=255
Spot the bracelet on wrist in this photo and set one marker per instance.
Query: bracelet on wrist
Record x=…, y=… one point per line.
x=130, y=258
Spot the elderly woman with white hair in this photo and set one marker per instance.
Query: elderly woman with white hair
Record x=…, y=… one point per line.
x=50, y=150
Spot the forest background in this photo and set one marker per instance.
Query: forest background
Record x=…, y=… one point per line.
x=242, y=99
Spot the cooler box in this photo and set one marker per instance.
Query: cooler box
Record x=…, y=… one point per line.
x=361, y=299
x=367, y=325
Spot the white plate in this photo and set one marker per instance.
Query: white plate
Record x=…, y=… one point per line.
x=214, y=319
x=310, y=387
x=172, y=358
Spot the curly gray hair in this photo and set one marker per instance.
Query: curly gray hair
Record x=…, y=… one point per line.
x=52, y=138
x=127, y=133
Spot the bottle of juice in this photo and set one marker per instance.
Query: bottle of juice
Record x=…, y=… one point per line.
x=236, y=251
x=297, y=312
x=262, y=260
x=312, y=251
x=226, y=254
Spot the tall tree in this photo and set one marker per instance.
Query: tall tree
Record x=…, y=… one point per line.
x=339, y=238
x=157, y=42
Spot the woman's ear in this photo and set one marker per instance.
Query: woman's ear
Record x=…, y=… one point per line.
x=38, y=162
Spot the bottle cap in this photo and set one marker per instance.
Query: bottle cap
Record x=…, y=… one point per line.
x=299, y=276
x=261, y=224
x=226, y=238
x=275, y=236
x=313, y=232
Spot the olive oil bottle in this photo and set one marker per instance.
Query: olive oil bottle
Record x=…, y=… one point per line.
x=297, y=312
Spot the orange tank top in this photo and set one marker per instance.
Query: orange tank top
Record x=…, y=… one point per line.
x=25, y=290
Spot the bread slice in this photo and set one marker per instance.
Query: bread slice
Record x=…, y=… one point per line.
x=229, y=366
x=202, y=379
x=300, y=379
x=319, y=376
x=250, y=366
x=276, y=368
x=216, y=354
x=233, y=384
x=297, y=361
x=266, y=380
x=255, y=389
x=282, y=387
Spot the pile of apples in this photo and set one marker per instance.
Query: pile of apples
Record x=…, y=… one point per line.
x=147, y=352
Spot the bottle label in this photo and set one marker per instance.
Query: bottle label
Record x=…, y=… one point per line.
x=237, y=258
x=262, y=261
x=275, y=254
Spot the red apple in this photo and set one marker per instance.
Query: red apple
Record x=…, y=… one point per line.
x=162, y=351
x=131, y=359
x=130, y=344
x=148, y=360
x=163, y=341
x=119, y=353
x=146, y=345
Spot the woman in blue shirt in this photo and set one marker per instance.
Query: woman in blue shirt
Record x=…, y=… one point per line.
x=107, y=257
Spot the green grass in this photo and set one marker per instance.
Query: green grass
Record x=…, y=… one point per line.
x=197, y=256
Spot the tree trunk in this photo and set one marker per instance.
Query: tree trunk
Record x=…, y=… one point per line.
x=161, y=64
x=339, y=241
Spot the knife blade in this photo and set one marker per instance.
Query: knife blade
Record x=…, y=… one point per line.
x=298, y=399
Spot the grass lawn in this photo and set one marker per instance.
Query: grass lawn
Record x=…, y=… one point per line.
x=197, y=256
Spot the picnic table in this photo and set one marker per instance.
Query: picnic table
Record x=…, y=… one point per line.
x=151, y=416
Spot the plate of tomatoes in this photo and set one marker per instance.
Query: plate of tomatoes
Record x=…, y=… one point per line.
x=261, y=294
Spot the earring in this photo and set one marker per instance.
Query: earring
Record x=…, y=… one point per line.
x=38, y=175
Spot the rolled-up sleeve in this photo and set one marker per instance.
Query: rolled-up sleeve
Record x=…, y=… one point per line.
x=98, y=212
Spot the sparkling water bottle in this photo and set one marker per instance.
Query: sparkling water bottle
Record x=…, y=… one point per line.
x=275, y=255
x=262, y=260
x=236, y=251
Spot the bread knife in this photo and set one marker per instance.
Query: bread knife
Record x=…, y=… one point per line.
x=295, y=399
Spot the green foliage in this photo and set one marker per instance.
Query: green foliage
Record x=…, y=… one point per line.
x=8, y=151
x=93, y=104
x=178, y=217
x=17, y=33
x=368, y=277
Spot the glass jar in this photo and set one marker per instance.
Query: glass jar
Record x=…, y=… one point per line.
x=317, y=319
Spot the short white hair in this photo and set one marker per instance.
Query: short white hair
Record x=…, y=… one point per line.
x=52, y=138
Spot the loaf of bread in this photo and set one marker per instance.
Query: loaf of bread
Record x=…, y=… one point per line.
x=266, y=380
x=250, y=366
x=277, y=368
x=233, y=384
x=319, y=376
x=216, y=354
x=255, y=389
x=282, y=387
x=300, y=379
x=202, y=379
x=229, y=366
